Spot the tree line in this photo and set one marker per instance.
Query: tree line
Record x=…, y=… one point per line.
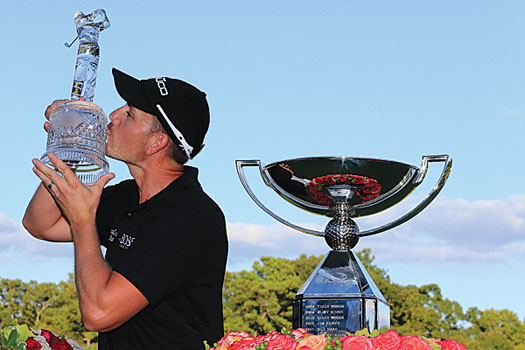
x=260, y=301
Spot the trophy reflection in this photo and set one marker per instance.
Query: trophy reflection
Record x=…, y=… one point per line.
x=77, y=128
x=340, y=296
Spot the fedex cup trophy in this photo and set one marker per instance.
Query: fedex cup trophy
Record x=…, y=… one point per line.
x=77, y=130
x=340, y=296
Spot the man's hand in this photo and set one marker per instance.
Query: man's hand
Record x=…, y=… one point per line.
x=77, y=201
x=50, y=110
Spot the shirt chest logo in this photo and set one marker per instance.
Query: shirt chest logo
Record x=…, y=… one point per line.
x=125, y=240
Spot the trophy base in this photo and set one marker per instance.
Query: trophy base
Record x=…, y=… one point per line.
x=88, y=166
x=77, y=136
x=340, y=297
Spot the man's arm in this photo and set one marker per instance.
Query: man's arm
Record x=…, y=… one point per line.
x=44, y=220
x=107, y=299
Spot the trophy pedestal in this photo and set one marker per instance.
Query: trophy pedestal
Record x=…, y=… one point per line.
x=339, y=297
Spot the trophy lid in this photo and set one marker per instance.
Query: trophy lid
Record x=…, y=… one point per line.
x=310, y=183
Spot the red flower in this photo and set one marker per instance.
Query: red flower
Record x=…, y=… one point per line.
x=451, y=345
x=59, y=344
x=244, y=343
x=47, y=334
x=357, y=343
x=299, y=333
x=387, y=341
x=231, y=337
x=283, y=342
x=316, y=189
x=270, y=336
x=32, y=344
x=412, y=342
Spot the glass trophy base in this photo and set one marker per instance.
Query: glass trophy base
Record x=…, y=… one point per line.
x=340, y=297
x=88, y=166
x=77, y=136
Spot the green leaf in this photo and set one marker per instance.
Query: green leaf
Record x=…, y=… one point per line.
x=435, y=346
x=12, y=339
x=364, y=332
x=206, y=346
x=384, y=329
x=19, y=346
x=24, y=333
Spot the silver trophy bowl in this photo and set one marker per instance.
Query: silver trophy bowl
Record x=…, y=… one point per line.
x=344, y=188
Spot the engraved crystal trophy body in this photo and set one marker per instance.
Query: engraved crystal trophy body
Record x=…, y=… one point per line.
x=77, y=130
x=340, y=296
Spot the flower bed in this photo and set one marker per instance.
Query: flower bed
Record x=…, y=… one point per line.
x=300, y=339
x=22, y=337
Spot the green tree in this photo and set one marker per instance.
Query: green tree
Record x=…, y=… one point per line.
x=261, y=300
x=12, y=306
x=493, y=329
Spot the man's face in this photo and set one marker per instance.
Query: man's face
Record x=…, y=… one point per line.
x=128, y=133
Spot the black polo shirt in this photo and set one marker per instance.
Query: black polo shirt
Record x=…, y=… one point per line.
x=173, y=248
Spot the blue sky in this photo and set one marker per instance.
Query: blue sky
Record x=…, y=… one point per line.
x=286, y=79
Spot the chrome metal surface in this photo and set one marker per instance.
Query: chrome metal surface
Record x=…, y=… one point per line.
x=341, y=233
x=396, y=180
x=447, y=167
x=339, y=297
x=242, y=163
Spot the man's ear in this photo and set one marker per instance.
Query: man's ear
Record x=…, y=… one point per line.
x=157, y=142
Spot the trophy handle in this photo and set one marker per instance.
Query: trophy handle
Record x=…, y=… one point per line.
x=418, y=179
x=242, y=163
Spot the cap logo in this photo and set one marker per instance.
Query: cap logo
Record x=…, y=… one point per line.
x=161, y=84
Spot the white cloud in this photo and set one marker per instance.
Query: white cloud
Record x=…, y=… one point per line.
x=16, y=241
x=449, y=231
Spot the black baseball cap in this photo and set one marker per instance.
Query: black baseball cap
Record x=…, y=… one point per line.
x=180, y=107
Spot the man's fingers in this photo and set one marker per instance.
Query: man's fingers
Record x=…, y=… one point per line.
x=45, y=173
x=103, y=180
x=62, y=167
x=46, y=180
x=52, y=107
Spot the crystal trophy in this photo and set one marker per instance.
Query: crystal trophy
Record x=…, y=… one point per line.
x=77, y=128
x=340, y=296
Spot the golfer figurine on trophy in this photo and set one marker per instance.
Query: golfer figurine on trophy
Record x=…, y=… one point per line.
x=77, y=128
x=340, y=296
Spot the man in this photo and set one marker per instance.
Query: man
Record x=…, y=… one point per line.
x=160, y=284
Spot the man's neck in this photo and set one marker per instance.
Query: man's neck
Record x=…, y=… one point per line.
x=153, y=179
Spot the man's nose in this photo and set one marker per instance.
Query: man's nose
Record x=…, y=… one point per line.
x=114, y=116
